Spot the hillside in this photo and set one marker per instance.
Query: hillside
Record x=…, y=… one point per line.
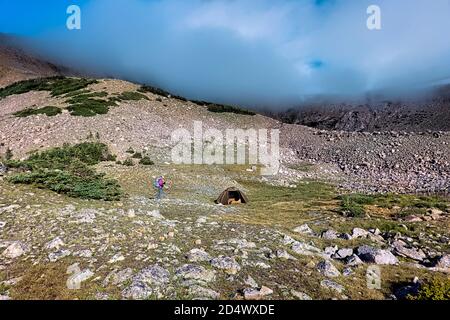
x=85, y=216
x=432, y=113
x=16, y=64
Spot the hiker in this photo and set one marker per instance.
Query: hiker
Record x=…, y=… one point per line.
x=159, y=185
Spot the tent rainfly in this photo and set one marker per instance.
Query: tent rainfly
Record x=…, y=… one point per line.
x=232, y=196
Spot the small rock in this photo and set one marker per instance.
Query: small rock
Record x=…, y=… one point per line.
x=116, y=258
x=155, y=214
x=359, y=233
x=137, y=291
x=332, y=285
x=304, y=229
x=343, y=253
x=198, y=255
x=56, y=243
x=328, y=269
x=228, y=264
x=353, y=260
x=116, y=278
x=283, y=254
x=15, y=250
x=330, y=235
x=443, y=262
x=201, y=293
x=300, y=295
x=55, y=256
x=195, y=272
x=153, y=275
x=251, y=282
x=256, y=294
x=305, y=249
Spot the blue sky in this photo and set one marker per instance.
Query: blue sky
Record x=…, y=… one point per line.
x=245, y=51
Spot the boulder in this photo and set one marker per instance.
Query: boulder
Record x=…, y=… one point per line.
x=15, y=250
x=304, y=229
x=443, y=262
x=359, y=233
x=377, y=256
x=353, y=260
x=343, y=253
x=330, y=235
x=228, y=264
x=195, y=272
x=402, y=250
x=332, y=285
x=328, y=269
x=305, y=249
x=256, y=294
x=198, y=255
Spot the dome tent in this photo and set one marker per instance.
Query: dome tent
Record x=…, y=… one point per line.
x=232, y=196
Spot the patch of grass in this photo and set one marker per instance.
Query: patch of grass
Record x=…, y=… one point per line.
x=433, y=290
x=89, y=104
x=66, y=170
x=282, y=206
x=408, y=201
x=146, y=161
x=48, y=111
x=56, y=85
x=128, y=162
x=352, y=205
x=219, y=108
x=125, y=96
x=411, y=211
x=160, y=92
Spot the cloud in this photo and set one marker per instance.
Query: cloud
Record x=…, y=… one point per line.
x=260, y=52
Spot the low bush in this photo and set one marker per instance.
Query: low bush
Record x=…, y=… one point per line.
x=48, y=111
x=67, y=170
x=219, y=108
x=56, y=85
x=433, y=290
x=146, y=161
x=132, y=96
x=128, y=162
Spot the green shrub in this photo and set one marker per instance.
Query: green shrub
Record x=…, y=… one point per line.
x=160, y=92
x=48, y=111
x=56, y=85
x=353, y=210
x=411, y=211
x=219, y=108
x=433, y=290
x=8, y=154
x=128, y=162
x=67, y=170
x=146, y=161
x=90, y=107
x=358, y=198
x=132, y=96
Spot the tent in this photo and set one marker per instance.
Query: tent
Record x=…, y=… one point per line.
x=232, y=196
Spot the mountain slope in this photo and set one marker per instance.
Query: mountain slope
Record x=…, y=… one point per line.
x=16, y=64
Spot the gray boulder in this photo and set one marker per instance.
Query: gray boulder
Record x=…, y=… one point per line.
x=228, y=264
x=378, y=256
x=343, y=253
x=328, y=269
x=304, y=229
